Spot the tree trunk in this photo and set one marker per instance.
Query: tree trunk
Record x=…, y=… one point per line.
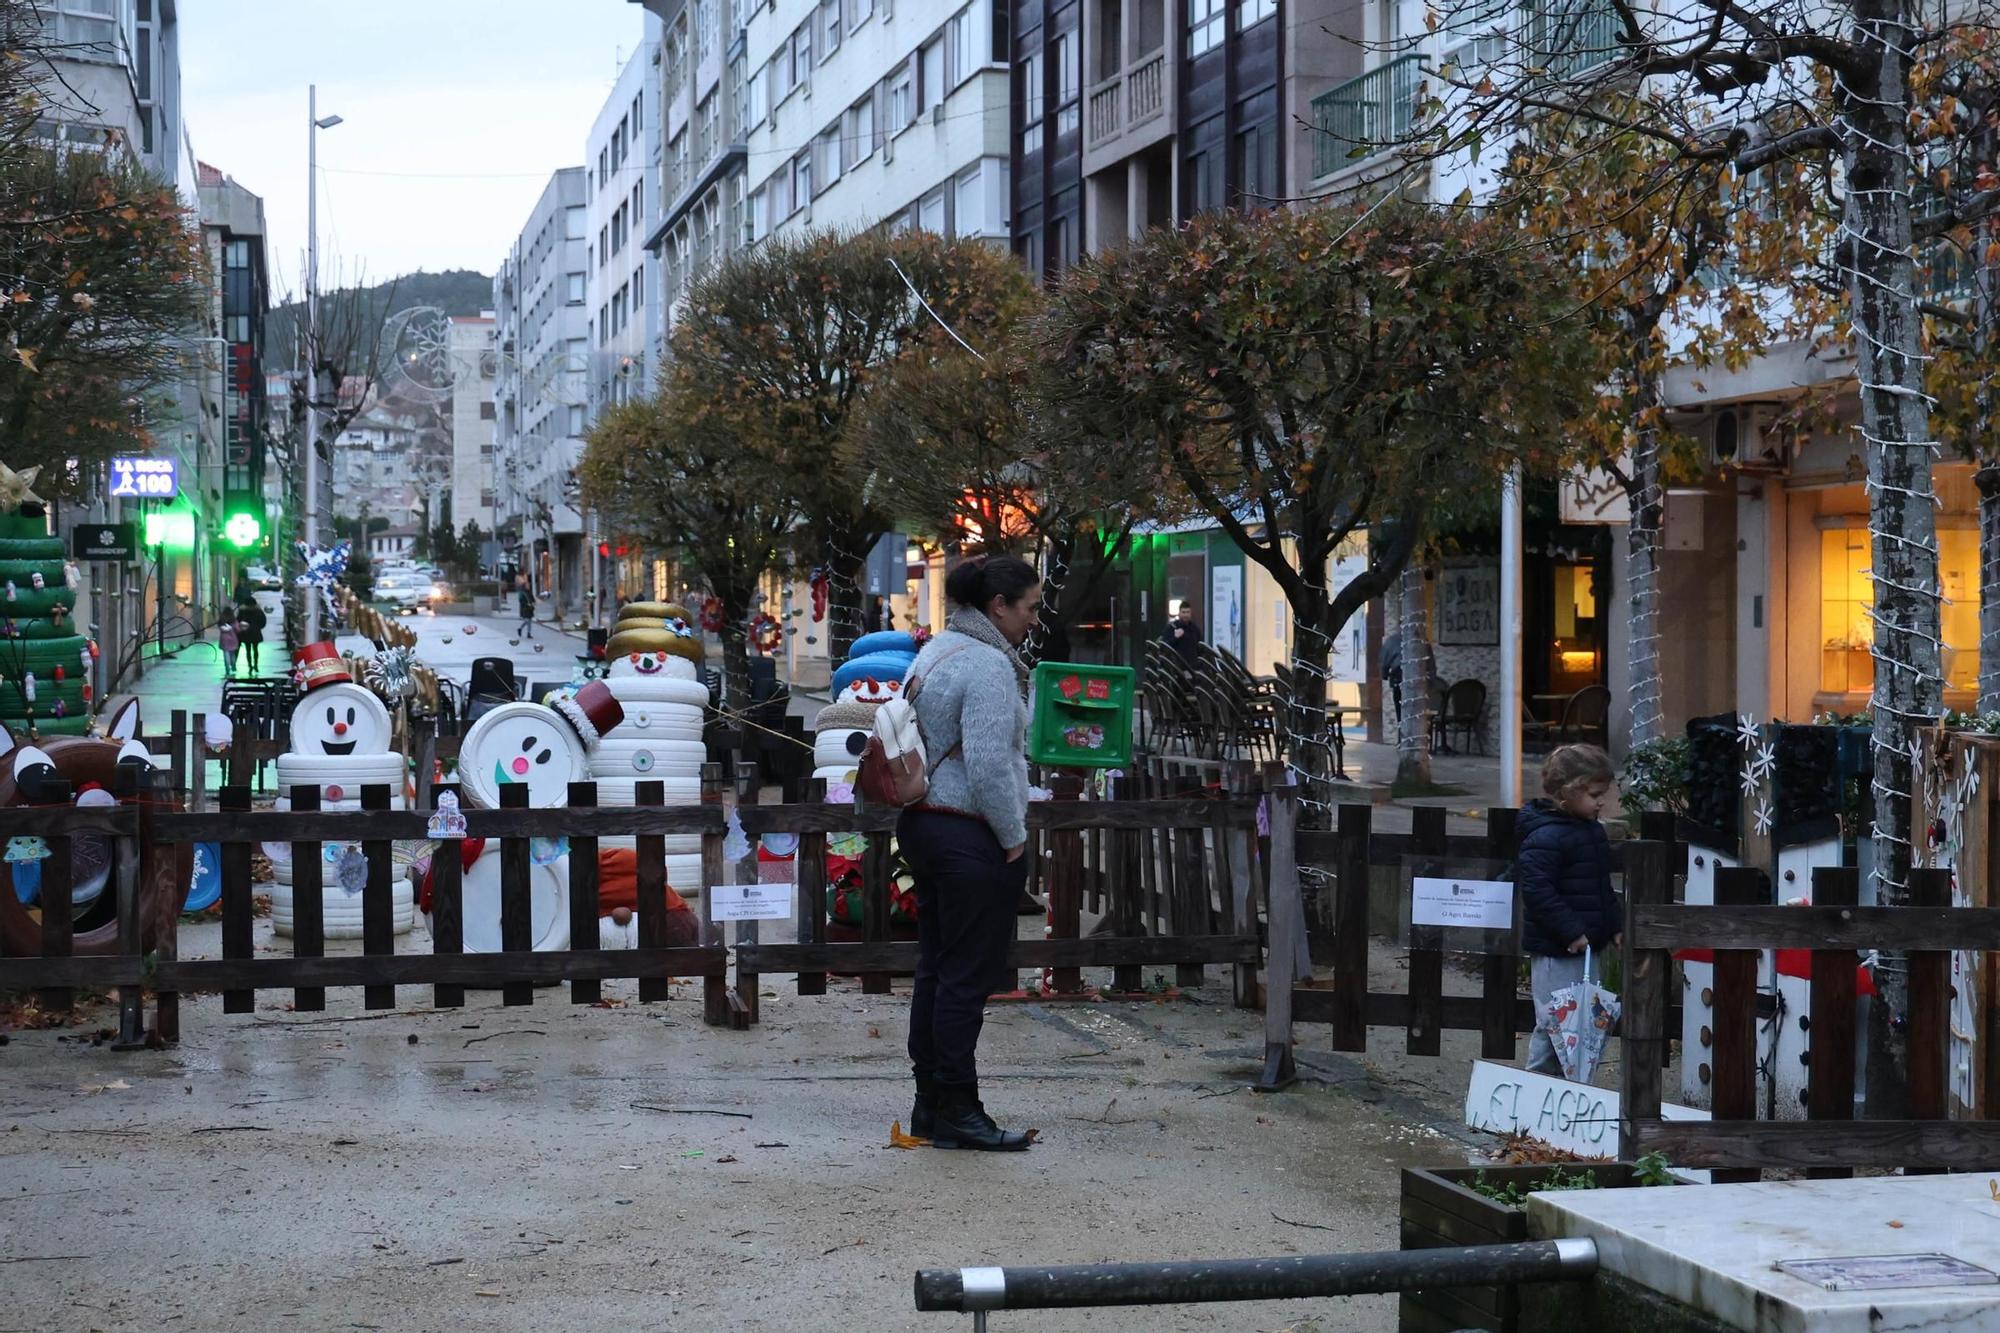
x=735, y=637
x=844, y=618
x=1875, y=246
x=1413, y=728
x=1988, y=480
x=1308, y=740
x=1642, y=559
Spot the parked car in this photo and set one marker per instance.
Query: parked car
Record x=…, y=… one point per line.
x=404, y=592
x=261, y=579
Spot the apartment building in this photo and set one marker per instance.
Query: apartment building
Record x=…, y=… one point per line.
x=869, y=112
x=473, y=414
x=541, y=390
x=617, y=285
x=1131, y=114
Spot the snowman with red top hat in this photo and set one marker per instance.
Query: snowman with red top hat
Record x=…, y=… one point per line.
x=341, y=739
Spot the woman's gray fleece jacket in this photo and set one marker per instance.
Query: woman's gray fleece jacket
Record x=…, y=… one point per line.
x=971, y=698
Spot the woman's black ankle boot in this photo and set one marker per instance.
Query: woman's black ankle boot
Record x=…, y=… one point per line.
x=923, y=1110
x=961, y=1122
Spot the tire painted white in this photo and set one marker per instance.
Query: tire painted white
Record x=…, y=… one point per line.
x=340, y=715
x=611, y=935
x=349, y=801
x=548, y=904
x=616, y=790
x=527, y=743
x=354, y=770
x=340, y=910
x=628, y=690
x=678, y=844
x=839, y=746
x=645, y=761
x=835, y=776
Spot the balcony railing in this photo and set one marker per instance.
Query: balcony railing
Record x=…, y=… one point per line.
x=1132, y=97
x=1570, y=37
x=1144, y=88
x=1365, y=116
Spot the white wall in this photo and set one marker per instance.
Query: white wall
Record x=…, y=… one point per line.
x=624, y=206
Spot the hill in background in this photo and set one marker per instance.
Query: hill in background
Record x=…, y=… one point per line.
x=460, y=291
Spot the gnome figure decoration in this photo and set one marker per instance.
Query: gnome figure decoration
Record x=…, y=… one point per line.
x=341, y=737
x=873, y=674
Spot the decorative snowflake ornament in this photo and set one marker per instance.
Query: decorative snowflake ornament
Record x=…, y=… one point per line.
x=1746, y=731
x=1749, y=779
x=1764, y=761
x=1763, y=818
x=391, y=673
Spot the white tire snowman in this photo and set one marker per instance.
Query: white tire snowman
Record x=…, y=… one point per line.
x=542, y=748
x=340, y=743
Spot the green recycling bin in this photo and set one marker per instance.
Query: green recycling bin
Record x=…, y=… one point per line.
x=1083, y=715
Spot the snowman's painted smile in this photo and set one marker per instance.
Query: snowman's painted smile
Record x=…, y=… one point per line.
x=339, y=747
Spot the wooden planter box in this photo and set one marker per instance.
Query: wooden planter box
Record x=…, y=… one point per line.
x=1440, y=1208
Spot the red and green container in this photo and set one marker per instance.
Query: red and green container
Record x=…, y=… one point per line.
x=1083, y=715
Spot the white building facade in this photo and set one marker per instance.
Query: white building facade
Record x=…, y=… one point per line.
x=617, y=284
x=541, y=390
x=864, y=112
x=473, y=414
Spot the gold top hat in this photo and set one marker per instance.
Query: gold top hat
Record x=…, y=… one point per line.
x=630, y=640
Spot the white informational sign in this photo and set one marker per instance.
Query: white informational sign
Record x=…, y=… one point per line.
x=1468, y=603
x=1572, y=1116
x=1225, y=601
x=1595, y=496
x=1348, y=659
x=751, y=902
x=1472, y=904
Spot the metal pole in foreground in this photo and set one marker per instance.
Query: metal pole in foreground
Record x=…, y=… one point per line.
x=1295, y=1277
x=1510, y=638
x=310, y=520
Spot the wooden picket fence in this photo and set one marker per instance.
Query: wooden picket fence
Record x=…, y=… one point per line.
x=1739, y=927
x=1225, y=932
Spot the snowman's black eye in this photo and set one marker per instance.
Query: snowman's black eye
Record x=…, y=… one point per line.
x=544, y=756
x=329, y=717
x=857, y=741
x=350, y=717
x=527, y=745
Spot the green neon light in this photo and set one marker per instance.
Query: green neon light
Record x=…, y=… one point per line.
x=172, y=528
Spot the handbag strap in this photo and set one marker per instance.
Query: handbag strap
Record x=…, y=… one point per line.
x=910, y=692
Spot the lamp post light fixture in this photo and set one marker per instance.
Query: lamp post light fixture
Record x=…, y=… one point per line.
x=310, y=525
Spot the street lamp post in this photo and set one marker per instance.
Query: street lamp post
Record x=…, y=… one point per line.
x=314, y=124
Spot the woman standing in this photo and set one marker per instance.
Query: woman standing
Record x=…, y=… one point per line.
x=250, y=625
x=964, y=843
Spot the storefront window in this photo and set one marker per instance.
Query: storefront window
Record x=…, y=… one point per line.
x=1574, y=655
x=1847, y=591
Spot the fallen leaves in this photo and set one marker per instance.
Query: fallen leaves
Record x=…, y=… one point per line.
x=898, y=1139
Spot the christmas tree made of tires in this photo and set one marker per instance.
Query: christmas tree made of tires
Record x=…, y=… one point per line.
x=44, y=656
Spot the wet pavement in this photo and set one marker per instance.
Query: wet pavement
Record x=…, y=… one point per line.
x=580, y=1167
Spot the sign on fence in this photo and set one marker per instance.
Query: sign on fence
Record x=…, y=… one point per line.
x=751, y=902
x=1475, y=904
x=1572, y=1116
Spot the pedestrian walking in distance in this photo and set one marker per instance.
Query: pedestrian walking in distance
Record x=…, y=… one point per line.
x=965, y=842
x=227, y=640
x=527, y=601
x=250, y=625
x=1564, y=874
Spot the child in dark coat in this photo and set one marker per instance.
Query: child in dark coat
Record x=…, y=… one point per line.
x=1564, y=874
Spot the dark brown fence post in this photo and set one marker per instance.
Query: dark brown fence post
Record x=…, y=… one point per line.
x=1426, y=1015
x=159, y=800
x=1064, y=882
x=58, y=911
x=1501, y=983
x=809, y=872
x=583, y=886
x=1642, y=1025
x=877, y=867
x=198, y=743
x=1830, y=1085
x=378, y=900
x=447, y=904
x=1929, y=1028
x=178, y=749
x=308, y=900
x=1350, y=930
x=719, y=783
x=237, y=908
x=516, y=898
x=1734, y=1091
x=1282, y=957
x=652, y=891
x=1232, y=854
x=718, y=1007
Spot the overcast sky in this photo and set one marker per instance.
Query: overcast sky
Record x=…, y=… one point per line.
x=456, y=111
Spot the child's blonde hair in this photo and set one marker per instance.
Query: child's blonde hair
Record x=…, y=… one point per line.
x=1572, y=767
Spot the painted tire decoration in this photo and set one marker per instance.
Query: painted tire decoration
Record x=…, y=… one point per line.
x=629, y=690
x=340, y=912
x=39, y=630
x=840, y=747
x=347, y=805
x=45, y=725
x=883, y=641
x=353, y=770
x=549, y=752
x=31, y=548
x=648, y=758
x=23, y=571
x=14, y=696
x=45, y=655
x=548, y=904
x=617, y=790
x=337, y=716
x=678, y=844
x=206, y=890
x=633, y=734
x=31, y=601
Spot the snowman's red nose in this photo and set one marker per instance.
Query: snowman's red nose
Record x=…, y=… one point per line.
x=340, y=728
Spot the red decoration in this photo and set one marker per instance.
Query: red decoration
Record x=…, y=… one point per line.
x=822, y=590
x=1098, y=689
x=711, y=615
x=1070, y=687
x=767, y=633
